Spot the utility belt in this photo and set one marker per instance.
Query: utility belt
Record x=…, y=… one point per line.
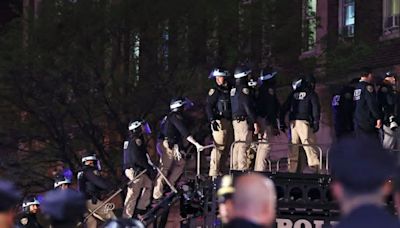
x=240, y=118
x=220, y=116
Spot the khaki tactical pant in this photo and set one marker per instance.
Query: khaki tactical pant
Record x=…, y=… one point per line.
x=264, y=148
x=302, y=133
x=170, y=167
x=389, y=138
x=102, y=213
x=222, y=139
x=141, y=189
x=239, y=153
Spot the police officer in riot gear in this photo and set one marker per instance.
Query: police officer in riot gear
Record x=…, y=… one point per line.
x=174, y=132
x=387, y=98
x=219, y=113
x=30, y=208
x=244, y=118
x=93, y=186
x=343, y=110
x=267, y=109
x=367, y=114
x=135, y=161
x=62, y=182
x=304, y=115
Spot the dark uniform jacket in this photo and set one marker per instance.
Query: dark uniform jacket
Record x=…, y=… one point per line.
x=135, y=151
x=387, y=98
x=343, y=111
x=267, y=104
x=302, y=104
x=242, y=106
x=28, y=220
x=218, y=103
x=367, y=111
x=369, y=216
x=175, y=129
x=92, y=184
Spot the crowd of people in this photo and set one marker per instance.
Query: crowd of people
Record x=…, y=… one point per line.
x=240, y=109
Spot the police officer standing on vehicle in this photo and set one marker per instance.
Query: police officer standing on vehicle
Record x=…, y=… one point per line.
x=367, y=115
x=304, y=115
x=244, y=118
x=93, y=186
x=135, y=161
x=219, y=113
x=174, y=131
x=387, y=98
x=343, y=110
x=30, y=208
x=267, y=108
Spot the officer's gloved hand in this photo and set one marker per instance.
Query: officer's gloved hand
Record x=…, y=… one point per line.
x=129, y=173
x=215, y=125
x=283, y=127
x=315, y=127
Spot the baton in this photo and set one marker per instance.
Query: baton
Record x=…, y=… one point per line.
x=166, y=180
x=111, y=197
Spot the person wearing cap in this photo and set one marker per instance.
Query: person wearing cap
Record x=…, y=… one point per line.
x=304, y=116
x=219, y=113
x=93, y=186
x=243, y=118
x=343, y=109
x=225, y=194
x=64, y=208
x=387, y=98
x=360, y=170
x=30, y=208
x=267, y=109
x=9, y=198
x=174, y=132
x=254, y=202
x=136, y=160
x=62, y=182
x=367, y=114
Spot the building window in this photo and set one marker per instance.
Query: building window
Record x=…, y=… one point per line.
x=347, y=18
x=391, y=16
x=309, y=24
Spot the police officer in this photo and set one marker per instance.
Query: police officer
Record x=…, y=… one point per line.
x=387, y=98
x=360, y=170
x=62, y=182
x=30, y=208
x=174, y=132
x=136, y=161
x=9, y=197
x=267, y=109
x=244, y=118
x=63, y=207
x=304, y=115
x=343, y=110
x=219, y=113
x=93, y=186
x=225, y=194
x=367, y=115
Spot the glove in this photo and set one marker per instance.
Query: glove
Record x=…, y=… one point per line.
x=195, y=143
x=315, y=127
x=152, y=173
x=199, y=147
x=283, y=127
x=129, y=173
x=215, y=125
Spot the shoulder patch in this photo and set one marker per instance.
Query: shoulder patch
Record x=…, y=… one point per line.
x=271, y=91
x=233, y=92
x=357, y=94
x=211, y=92
x=126, y=144
x=336, y=100
x=138, y=142
x=370, y=88
x=246, y=91
x=384, y=89
x=24, y=221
